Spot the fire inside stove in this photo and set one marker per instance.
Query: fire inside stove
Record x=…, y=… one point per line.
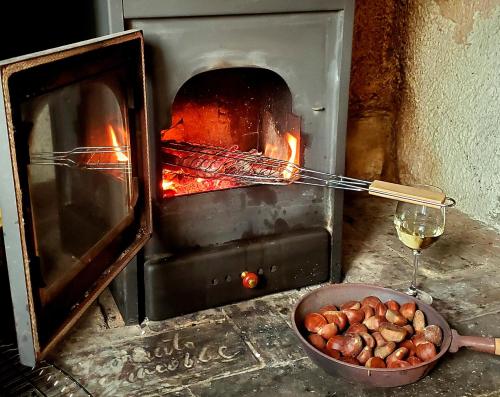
x=244, y=109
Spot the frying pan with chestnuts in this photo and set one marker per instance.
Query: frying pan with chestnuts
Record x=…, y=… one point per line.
x=337, y=294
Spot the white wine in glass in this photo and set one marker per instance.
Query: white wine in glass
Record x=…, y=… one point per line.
x=418, y=227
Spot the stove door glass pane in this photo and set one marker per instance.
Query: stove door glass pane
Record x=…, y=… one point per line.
x=79, y=176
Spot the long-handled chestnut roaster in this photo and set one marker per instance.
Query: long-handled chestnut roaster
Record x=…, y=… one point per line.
x=204, y=161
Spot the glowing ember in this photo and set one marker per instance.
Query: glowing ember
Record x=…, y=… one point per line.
x=292, y=142
x=167, y=185
x=120, y=156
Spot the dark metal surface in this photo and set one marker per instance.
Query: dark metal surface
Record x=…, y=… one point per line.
x=190, y=8
x=44, y=380
x=127, y=294
x=306, y=51
x=378, y=377
x=211, y=277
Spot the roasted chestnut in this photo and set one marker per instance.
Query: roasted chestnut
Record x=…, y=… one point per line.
x=368, y=310
x=433, y=334
x=373, y=323
x=365, y=355
x=354, y=315
x=317, y=341
x=384, y=351
x=419, y=321
x=328, y=308
x=328, y=330
x=392, y=305
x=356, y=328
x=392, y=332
x=352, y=346
x=371, y=301
x=375, y=362
x=368, y=339
x=395, y=317
x=314, y=321
x=339, y=318
x=355, y=305
x=408, y=310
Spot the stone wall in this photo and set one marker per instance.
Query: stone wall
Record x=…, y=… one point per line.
x=425, y=98
x=374, y=98
x=448, y=132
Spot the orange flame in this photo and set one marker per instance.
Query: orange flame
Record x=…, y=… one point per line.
x=292, y=143
x=120, y=156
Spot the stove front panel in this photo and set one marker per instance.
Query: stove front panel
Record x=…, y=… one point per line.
x=305, y=50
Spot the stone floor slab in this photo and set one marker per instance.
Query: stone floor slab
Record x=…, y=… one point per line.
x=249, y=349
x=162, y=363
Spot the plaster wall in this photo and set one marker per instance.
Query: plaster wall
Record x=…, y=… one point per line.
x=448, y=132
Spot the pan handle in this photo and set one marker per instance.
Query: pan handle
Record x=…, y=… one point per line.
x=487, y=345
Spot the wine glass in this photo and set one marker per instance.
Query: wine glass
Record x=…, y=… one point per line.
x=419, y=227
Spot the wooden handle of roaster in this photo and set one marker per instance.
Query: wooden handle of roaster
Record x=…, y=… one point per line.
x=487, y=345
x=408, y=194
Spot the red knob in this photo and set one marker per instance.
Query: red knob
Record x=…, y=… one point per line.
x=250, y=280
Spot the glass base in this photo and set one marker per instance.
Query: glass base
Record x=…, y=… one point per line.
x=420, y=295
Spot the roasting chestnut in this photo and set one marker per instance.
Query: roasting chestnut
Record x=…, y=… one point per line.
x=398, y=354
x=327, y=308
x=354, y=315
x=328, y=330
x=355, y=305
x=375, y=362
x=392, y=332
x=395, y=317
x=384, y=351
x=352, y=346
x=418, y=339
x=408, y=310
x=368, y=339
x=314, y=321
x=433, y=334
x=379, y=339
x=336, y=342
x=339, y=318
x=317, y=341
x=426, y=351
x=409, y=329
x=350, y=360
x=371, y=301
x=365, y=355
x=414, y=360
x=398, y=364
x=368, y=311
x=332, y=353
x=412, y=349
x=393, y=305
x=373, y=323
x=356, y=328
x=419, y=321
x=381, y=309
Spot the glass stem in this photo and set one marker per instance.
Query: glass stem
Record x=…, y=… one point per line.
x=413, y=285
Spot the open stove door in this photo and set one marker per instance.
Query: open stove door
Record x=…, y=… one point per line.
x=74, y=179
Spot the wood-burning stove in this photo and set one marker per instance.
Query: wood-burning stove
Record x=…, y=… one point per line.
x=265, y=76
x=246, y=74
